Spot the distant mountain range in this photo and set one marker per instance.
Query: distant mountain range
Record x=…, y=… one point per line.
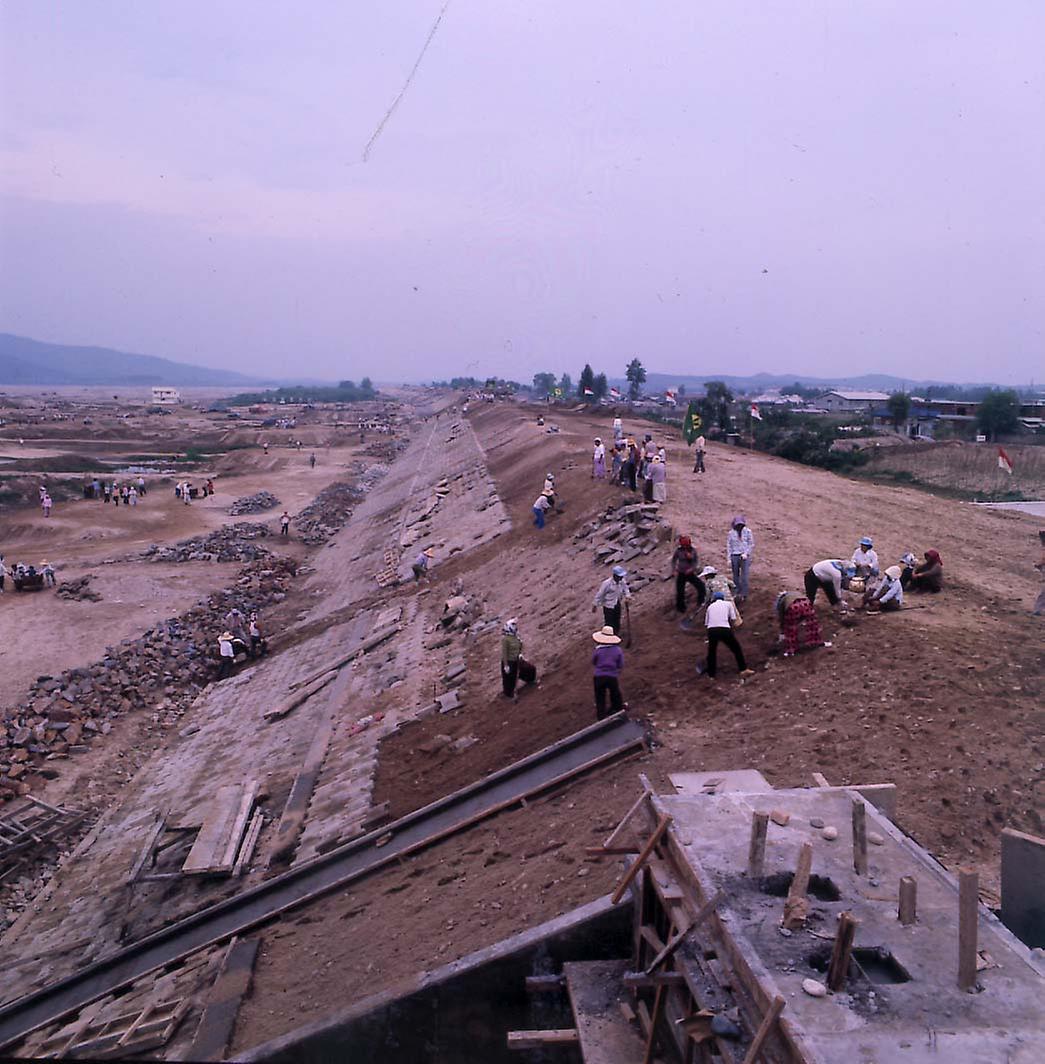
x=762, y=382
x=25, y=361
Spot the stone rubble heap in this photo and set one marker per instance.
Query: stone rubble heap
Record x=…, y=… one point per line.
x=231, y=543
x=254, y=504
x=78, y=590
x=164, y=670
x=328, y=512
x=624, y=532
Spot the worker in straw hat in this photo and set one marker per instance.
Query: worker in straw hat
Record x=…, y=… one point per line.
x=541, y=505
x=226, y=654
x=420, y=566
x=607, y=660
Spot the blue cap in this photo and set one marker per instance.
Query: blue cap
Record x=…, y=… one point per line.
x=866, y=542
x=718, y=597
x=619, y=570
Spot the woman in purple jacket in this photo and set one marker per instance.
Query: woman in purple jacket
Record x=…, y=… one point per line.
x=607, y=660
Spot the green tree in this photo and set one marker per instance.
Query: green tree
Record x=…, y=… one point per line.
x=586, y=381
x=348, y=385
x=544, y=383
x=999, y=412
x=899, y=404
x=601, y=386
x=566, y=384
x=636, y=375
x=715, y=407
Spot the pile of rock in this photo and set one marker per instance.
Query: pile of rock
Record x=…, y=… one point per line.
x=328, y=512
x=625, y=532
x=257, y=503
x=231, y=543
x=78, y=590
x=163, y=670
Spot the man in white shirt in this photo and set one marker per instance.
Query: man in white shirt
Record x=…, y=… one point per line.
x=701, y=446
x=612, y=592
x=719, y=619
x=865, y=558
x=825, y=576
x=227, y=654
x=541, y=505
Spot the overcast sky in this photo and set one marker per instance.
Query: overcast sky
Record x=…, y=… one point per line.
x=709, y=186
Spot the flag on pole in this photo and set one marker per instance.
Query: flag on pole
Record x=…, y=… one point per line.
x=755, y=413
x=670, y=395
x=588, y=391
x=614, y=393
x=1004, y=461
x=691, y=424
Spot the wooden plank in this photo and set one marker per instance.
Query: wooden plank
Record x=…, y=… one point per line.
x=703, y=913
x=633, y=871
x=151, y=838
x=820, y=780
x=968, y=927
x=239, y=825
x=614, y=835
x=596, y=994
x=765, y=1027
x=224, y=998
x=250, y=842
x=907, y=909
x=642, y=981
x=541, y=1039
x=756, y=852
x=210, y=843
x=658, y=1011
x=288, y=705
x=838, y=970
x=543, y=984
x=796, y=907
x=859, y=837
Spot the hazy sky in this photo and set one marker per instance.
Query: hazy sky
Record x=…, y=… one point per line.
x=738, y=186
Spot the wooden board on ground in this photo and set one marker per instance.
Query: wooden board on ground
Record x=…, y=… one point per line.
x=223, y=1002
x=218, y=840
x=596, y=989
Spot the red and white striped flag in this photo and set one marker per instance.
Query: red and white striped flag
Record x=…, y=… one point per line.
x=1004, y=461
x=755, y=412
x=588, y=391
x=670, y=395
x=614, y=393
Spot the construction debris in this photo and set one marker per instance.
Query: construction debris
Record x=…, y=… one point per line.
x=231, y=543
x=254, y=504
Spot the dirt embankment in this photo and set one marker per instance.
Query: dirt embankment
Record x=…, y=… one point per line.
x=941, y=699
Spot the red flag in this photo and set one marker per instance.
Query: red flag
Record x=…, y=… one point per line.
x=755, y=413
x=1004, y=461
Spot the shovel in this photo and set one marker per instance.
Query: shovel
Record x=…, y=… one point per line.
x=627, y=616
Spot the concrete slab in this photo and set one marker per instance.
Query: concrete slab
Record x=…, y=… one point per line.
x=1023, y=886
x=911, y=980
x=749, y=780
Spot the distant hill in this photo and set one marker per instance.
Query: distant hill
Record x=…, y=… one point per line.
x=25, y=361
x=759, y=382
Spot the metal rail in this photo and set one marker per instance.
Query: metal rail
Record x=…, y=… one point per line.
x=555, y=764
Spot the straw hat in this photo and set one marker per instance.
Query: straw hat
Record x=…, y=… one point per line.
x=893, y=572
x=708, y=570
x=605, y=636
x=226, y=636
x=429, y=552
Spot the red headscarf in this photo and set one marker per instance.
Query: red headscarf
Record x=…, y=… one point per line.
x=934, y=557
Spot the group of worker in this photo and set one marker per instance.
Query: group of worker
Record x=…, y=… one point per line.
x=860, y=574
x=20, y=571
x=242, y=635
x=130, y=492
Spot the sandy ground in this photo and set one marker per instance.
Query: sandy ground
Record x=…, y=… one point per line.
x=942, y=699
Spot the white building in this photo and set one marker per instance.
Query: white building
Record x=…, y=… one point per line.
x=851, y=402
x=166, y=396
